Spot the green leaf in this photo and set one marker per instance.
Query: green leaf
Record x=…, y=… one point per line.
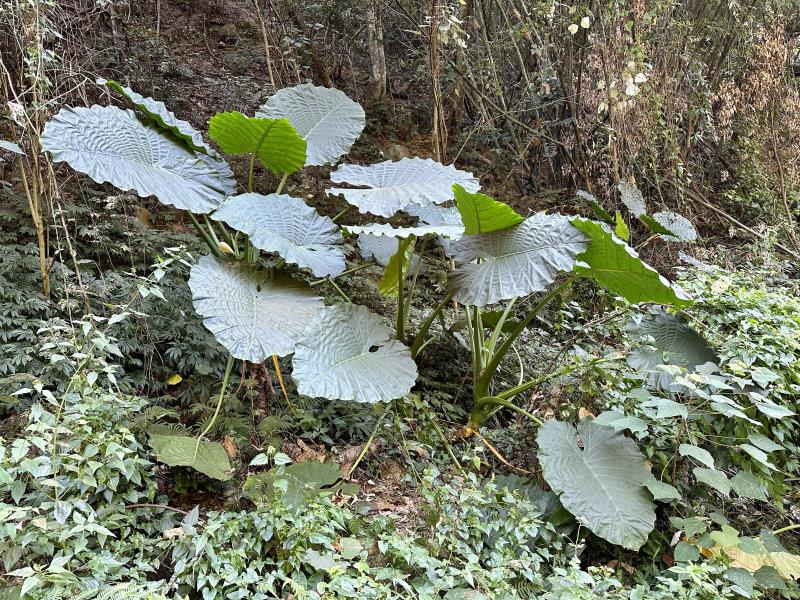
x=617, y=266
x=326, y=118
x=389, y=283
x=601, y=212
x=716, y=479
x=347, y=353
x=209, y=458
x=747, y=485
x=514, y=262
x=482, y=214
x=602, y=483
x=676, y=343
x=116, y=146
x=662, y=491
x=685, y=552
x=655, y=226
x=351, y=547
x=759, y=455
x=276, y=143
x=253, y=314
x=621, y=227
x=703, y=456
x=301, y=481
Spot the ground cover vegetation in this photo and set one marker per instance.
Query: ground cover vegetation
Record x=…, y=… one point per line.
x=466, y=300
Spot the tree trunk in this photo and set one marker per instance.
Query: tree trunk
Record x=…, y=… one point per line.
x=377, y=56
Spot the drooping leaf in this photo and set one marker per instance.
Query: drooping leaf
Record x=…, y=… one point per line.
x=679, y=228
x=209, y=458
x=276, y=143
x=616, y=266
x=482, y=214
x=288, y=226
x=347, y=353
x=516, y=261
x=602, y=483
x=379, y=229
x=10, y=147
x=601, y=212
x=676, y=343
x=158, y=113
x=632, y=198
x=391, y=186
x=390, y=280
x=113, y=145
x=326, y=118
x=662, y=491
x=379, y=248
x=747, y=485
x=697, y=453
x=253, y=316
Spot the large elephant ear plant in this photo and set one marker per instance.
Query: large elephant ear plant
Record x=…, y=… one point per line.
x=345, y=352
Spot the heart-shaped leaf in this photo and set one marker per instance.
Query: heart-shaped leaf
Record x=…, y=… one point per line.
x=600, y=480
x=276, y=143
x=516, y=261
x=209, y=458
x=326, y=118
x=252, y=315
x=288, y=226
x=482, y=214
x=347, y=353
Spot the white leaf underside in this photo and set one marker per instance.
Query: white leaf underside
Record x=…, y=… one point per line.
x=392, y=186
x=347, y=353
x=516, y=261
x=112, y=145
x=449, y=231
x=252, y=316
x=289, y=227
x=326, y=118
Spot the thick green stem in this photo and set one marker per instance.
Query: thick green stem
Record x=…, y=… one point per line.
x=205, y=235
x=419, y=340
x=228, y=369
x=787, y=528
x=511, y=392
x=479, y=412
x=484, y=380
x=401, y=319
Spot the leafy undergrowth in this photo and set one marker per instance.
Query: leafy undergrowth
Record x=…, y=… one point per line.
x=427, y=512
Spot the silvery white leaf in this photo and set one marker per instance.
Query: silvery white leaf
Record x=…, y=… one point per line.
x=288, y=226
x=347, y=353
x=394, y=185
x=113, y=145
x=253, y=316
x=515, y=262
x=326, y=118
